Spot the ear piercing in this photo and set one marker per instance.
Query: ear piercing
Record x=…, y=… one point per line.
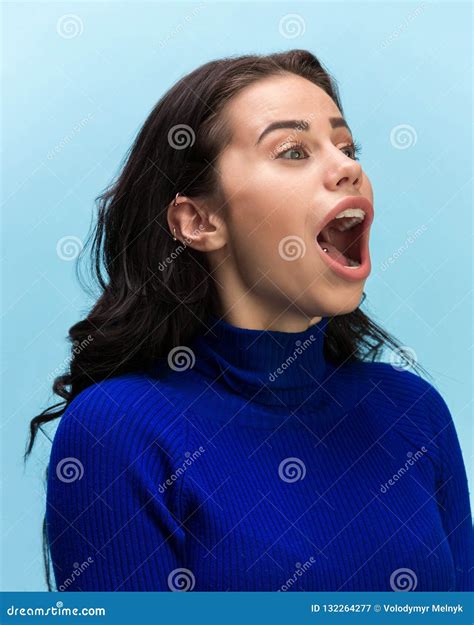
x=175, y=203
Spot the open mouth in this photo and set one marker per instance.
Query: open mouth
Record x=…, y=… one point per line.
x=341, y=238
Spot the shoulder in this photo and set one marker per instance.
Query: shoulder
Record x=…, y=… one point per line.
x=404, y=388
x=123, y=416
x=408, y=403
x=116, y=443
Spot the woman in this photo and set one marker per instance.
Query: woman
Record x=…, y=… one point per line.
x=227, y=422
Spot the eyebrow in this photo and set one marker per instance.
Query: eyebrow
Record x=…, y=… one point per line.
x=301, y=124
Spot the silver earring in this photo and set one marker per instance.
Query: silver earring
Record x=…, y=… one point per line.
x=175, y=203
x=325, y=249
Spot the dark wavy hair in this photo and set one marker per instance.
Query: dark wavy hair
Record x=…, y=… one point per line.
x=141, y=312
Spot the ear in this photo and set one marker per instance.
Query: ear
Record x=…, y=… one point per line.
x=197, y=224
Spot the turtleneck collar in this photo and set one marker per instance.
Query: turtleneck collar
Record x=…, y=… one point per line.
x=266, y=366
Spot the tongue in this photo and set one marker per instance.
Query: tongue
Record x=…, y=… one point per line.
x=334, y=253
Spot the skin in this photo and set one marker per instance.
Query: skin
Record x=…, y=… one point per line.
x=268, y=199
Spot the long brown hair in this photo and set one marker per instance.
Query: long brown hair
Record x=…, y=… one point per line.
x=143, y=310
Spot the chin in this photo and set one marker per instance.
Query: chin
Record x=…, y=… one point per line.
x=333, y=301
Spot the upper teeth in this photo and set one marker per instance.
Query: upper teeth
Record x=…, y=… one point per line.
x=355, y=215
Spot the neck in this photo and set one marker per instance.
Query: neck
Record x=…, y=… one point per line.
x=270, y=366
x=255, y=318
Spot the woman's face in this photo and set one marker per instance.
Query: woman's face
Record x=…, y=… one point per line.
x=280, y=187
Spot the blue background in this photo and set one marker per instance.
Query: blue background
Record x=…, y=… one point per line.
x=77, y=89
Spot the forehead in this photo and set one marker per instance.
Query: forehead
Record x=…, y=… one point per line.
x=275, y=98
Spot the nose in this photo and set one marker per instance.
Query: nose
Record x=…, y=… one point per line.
x=343, y=171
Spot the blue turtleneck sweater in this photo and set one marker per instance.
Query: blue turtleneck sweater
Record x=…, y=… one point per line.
x=248, y=462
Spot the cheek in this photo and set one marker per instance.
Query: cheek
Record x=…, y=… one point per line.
x=264, y=237
x=261, y=213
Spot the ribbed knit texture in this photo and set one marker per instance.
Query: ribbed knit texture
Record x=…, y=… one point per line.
x=249, y=462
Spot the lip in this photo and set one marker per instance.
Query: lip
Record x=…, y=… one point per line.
x=355, y=273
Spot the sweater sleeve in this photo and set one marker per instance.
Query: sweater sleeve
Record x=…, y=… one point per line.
x=453, y=492
x=112, y=519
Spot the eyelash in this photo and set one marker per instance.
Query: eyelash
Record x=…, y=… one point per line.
x=355, y=146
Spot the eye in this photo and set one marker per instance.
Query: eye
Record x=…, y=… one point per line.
x=354, y=149
x=296, y=148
